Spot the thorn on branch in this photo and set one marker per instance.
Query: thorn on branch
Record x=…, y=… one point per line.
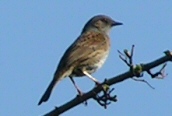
x=160, y=74
x=56, y=107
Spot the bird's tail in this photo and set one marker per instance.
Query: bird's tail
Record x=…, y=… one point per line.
x=47, y=93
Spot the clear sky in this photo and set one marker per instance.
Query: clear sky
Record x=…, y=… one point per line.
x=35, y=34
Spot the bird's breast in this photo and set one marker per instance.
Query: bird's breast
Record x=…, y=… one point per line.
x=101, y=60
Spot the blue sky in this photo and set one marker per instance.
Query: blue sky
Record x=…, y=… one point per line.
x=35, y=34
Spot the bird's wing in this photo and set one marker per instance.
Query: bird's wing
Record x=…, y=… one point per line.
x=85, y=44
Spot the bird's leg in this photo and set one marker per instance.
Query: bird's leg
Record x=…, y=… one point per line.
x=105, y=86
x=91, y=77
x=78, y=90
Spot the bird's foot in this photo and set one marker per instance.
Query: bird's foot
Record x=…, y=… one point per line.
x=80, y=94
x=104, y=86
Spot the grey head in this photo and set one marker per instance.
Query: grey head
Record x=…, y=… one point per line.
x=100, y=23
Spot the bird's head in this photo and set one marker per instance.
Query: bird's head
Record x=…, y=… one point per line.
x=100, y=23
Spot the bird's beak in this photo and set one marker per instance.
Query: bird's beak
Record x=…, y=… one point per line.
x=116, y=23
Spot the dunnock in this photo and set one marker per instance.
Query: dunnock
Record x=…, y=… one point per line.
x=87, y=53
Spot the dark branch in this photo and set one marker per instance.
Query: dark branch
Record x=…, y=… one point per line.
x=111, y=81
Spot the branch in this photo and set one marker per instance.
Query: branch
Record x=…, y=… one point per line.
x=111, y=81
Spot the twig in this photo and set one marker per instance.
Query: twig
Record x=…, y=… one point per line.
x=142, y=80
x=160, y=74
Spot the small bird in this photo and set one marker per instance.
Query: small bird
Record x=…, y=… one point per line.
x=86, y=55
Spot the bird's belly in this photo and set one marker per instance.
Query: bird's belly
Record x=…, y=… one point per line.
x=97, y=65
x=91, y=66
